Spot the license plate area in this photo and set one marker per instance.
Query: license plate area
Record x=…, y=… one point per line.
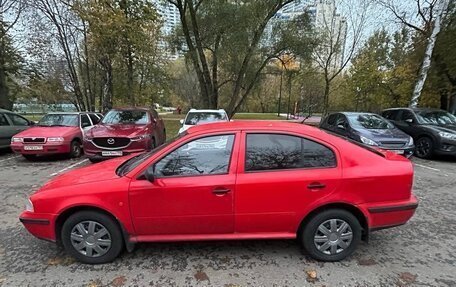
x=112, y=153
x=397, y=151
x=33, y=147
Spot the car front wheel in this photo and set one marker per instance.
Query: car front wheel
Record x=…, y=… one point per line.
x=424, y=147
x=92, y=237
x=331, y=235
x=75, y=149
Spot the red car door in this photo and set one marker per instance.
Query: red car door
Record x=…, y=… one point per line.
x=192, y=192
x=279, y=175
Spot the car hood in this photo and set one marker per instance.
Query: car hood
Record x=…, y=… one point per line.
x=384, y=134
x=118, y=130
x=92, y=173
x=47, y=131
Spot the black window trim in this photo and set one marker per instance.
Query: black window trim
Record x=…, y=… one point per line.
x=9, y=116
x=287, y=169
x=234, y=133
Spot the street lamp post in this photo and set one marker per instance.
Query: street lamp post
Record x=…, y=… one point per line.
x=280, y=93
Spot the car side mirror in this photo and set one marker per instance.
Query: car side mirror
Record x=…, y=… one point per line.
x=31, y=123
x=181, y=121
x=149, y=174
x=409, y=121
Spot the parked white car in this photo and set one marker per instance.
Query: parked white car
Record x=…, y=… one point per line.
x=198, y=117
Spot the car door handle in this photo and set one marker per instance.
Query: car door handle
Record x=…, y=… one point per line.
x=220, y=191
x=316, y=185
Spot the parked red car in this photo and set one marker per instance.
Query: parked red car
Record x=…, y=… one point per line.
x=124, y=131
x=226, y=181
x=55, y=133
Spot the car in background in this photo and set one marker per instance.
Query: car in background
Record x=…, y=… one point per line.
x=370, y=129
x=433, y=130
x=228, y=181
x=11, y=124
x=197, y=117
x=55, y=133
x=124, y=131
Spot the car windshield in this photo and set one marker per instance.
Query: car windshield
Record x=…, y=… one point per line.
x=440, y=118
x=51, y=120
x=133, y=162
x=204, y=117
x=136, y=117
x=369, y=121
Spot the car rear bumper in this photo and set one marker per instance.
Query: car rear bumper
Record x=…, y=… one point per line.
x=46, y=149
x=389, y=214
x=40, y=225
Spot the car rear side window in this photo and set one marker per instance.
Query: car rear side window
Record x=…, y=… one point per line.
x=278, y=151
x=203, y=156
x=332, y=119
x=85, y=122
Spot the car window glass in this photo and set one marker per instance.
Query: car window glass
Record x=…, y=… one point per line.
x=276, y=151
x=204, y=156
x=406, y=115
x=18, y=120
x=138, y=117
x=95, y=119
x=332, y=119
x=68, y=120
x=204, y=117
x=3, y=120
x=341, y=120
x=85, y=122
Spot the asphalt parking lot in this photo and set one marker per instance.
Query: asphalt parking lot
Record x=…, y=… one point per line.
x=421, y=253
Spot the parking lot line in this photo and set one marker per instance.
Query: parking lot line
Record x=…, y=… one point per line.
x=428, y=167
x=69, y=167
x=16, y=156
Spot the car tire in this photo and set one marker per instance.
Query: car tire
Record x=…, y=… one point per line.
x=153, y=144
x=424, y=147
x=75, y=149
x=80, y=239
x=30, y=157
x=331, y=235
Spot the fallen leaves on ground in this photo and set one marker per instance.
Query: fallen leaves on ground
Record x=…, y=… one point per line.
x=201, y=276
x=311, y=275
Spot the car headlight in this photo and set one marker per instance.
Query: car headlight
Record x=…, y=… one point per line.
x=16, y=140
x=411, y=142
x=447, y=135
x=29, y=205
x=368, y=141
x=55, y=139
x=140, y=138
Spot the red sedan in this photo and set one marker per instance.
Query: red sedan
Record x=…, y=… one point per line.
x=55, y=133
x=123, y=132
x=226, y=181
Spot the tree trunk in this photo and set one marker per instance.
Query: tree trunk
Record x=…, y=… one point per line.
x=428, y=55
x=107, y=83
x=326, y=98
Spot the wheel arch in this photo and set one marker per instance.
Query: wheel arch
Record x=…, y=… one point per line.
x=63, y=216
x=363, y=221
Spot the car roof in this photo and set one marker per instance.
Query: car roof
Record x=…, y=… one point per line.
x=414, y=109
x=251, y=125
x=357, y=113
x=132, y=109
x=68, y=113
x=207, y=111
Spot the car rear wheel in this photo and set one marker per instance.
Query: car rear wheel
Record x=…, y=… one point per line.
x=424, y=147
x=75, y=149
x=331, y=235
x=92, y=237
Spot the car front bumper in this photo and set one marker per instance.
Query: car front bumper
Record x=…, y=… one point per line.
x=406, y=151
x=60, y=148
x=96, y=153
x=389, y=214
x=40, y=225
x=446, y=147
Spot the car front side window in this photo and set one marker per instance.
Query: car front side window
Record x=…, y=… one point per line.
x=278, y=152
x=203, y=156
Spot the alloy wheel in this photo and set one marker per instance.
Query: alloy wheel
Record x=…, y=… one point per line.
x=423, y=147
x=333, y=236
x=91, y=238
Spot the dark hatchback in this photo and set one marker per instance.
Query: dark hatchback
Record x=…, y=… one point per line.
x=433, y=130
x=370, y=129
